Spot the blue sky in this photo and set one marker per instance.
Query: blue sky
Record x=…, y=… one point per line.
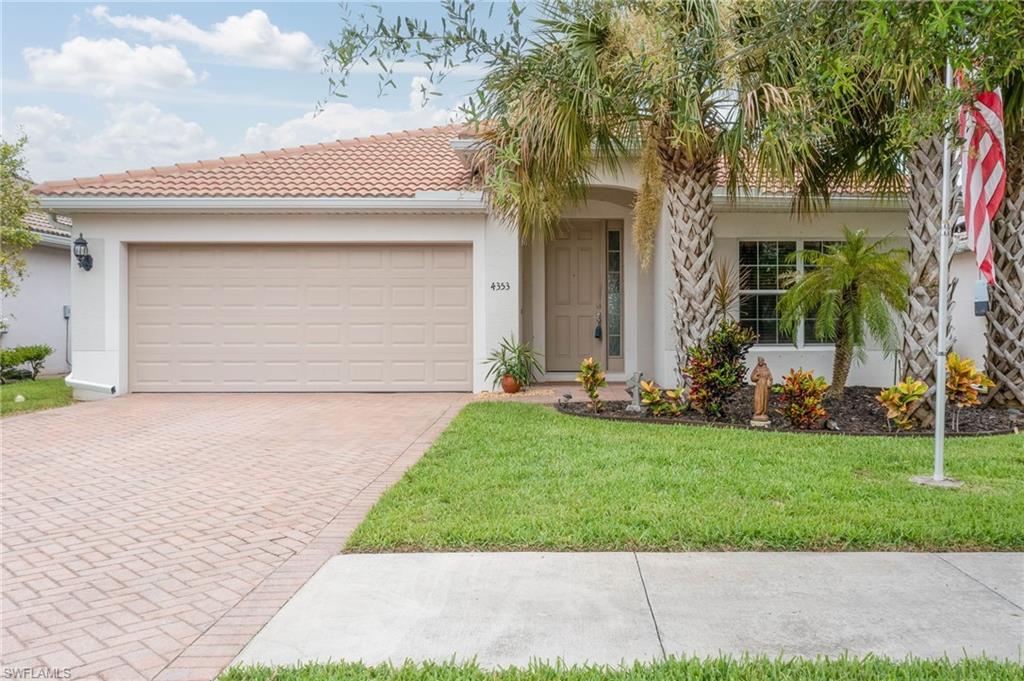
x=104, y=87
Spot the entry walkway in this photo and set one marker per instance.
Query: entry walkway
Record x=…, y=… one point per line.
x=509, y=608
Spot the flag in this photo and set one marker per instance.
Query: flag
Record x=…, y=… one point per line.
x=984, y=173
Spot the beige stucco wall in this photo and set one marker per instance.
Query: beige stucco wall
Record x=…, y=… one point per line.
x=36, y=314
x=99, y=328
x=732, y=226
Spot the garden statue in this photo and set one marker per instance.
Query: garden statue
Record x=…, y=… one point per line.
x=633, y=388
x=761, y=377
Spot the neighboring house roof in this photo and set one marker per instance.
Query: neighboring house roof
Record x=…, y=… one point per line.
x=392, y=165
x=47, y=223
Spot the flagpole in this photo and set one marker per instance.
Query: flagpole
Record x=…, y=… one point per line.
x=938, y=473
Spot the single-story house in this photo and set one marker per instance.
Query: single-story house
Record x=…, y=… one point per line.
x=39, y=313
x=374, y=265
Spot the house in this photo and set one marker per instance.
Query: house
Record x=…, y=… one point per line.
x=38, y=313
x=374, y=265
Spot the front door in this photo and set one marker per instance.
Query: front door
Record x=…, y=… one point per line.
x=574, y=283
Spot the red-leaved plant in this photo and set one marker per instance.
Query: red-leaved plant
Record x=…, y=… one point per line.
x=802, y=393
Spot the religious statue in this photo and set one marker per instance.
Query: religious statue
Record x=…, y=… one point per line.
x=761, y=377
x=633, y=388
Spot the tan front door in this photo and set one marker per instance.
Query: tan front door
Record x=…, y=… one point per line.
x=574, y=283
x=261, y=317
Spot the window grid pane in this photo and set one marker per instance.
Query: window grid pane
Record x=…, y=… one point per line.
x=763, y=268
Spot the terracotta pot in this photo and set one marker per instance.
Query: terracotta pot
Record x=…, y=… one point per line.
x=509, y=384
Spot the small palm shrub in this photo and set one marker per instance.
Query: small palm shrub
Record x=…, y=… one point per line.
x=899, y=401
x=802, y=394
x=964, y=383
x=518, y=360
x=661, y=402
x=852, y=290
x=717, y=367
x=591, y=378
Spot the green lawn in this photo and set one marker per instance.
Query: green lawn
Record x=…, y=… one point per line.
x=521, y=476
x=43, y=393
x=672, y=670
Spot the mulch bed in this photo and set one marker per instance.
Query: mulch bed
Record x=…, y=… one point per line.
x=858, y=414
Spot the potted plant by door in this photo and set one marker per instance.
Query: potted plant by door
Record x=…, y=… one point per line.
x=513, y=365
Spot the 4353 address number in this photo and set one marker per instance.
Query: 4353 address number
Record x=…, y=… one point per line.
x=501, y=286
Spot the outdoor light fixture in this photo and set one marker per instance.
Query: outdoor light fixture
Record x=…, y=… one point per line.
x=82, y=253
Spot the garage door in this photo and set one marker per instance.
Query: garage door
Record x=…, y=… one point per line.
x=299, y=318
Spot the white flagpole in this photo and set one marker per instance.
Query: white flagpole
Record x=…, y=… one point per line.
x=940, y=355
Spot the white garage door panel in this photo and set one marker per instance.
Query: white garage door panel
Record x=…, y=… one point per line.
x=293, y=318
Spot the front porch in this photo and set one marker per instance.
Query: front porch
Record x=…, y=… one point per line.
x=584, y=293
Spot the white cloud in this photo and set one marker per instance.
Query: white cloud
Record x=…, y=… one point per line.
x=250, y=38
x=137, y=135
x=108, y=67
x=341, y=120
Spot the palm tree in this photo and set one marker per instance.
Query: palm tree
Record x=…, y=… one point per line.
x=884, y=126
x=678, y=84
x=851, y=290
x=1004, y=359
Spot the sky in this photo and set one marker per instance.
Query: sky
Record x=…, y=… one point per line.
x=106, y=87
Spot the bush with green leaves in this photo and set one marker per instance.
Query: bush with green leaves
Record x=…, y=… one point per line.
x=802, y=394
x=32, y=355
x=717, y=367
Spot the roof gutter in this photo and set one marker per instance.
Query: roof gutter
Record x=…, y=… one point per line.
x=47, y=239
x=754, y=202
x=422, y=202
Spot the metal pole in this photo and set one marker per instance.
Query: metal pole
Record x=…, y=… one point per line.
x=940, y=354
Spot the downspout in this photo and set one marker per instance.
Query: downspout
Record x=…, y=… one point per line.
x=90, y=386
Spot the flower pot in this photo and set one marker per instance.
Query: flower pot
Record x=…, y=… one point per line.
x=509, y=384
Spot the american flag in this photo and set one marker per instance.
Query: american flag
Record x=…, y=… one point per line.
x=984, y=173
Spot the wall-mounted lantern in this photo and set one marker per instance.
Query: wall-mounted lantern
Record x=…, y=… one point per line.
x=82, y=253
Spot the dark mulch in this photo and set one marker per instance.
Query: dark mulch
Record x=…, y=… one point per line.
x=858, y=414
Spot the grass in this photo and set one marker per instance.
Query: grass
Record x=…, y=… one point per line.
x=44, y=393
x=723, y=669
x=520, y=476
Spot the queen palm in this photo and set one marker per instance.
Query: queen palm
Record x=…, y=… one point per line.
x=852, y=290
x=678, y=83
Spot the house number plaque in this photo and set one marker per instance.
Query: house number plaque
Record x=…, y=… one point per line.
x=501, y=286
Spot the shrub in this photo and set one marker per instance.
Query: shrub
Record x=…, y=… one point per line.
x=591, y=378
x=802, y=393
x=518, y=360
x=899, y=401
x=33, y=355
x=964, y=383
x=661, y=402
x=716, y=367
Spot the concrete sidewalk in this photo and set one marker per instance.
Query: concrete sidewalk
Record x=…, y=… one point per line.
x=508, y=608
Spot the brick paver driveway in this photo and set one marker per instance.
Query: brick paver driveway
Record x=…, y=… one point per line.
x=151, y=536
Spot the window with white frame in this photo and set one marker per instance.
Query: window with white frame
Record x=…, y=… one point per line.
x=764, y=264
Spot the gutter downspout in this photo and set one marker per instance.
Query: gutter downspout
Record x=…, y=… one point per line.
x=89, y=385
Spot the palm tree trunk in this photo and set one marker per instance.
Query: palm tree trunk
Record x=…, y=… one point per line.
x=688, y=190
x=921, y=318
x=1004, y=360
x=842, y=359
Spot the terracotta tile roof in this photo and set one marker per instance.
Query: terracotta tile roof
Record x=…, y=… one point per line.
x=392, y=165
x=45, y=223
